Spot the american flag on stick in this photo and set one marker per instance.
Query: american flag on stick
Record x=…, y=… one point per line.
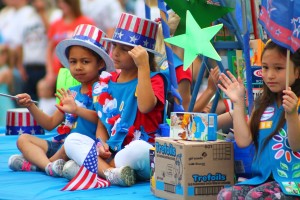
x=87, y=177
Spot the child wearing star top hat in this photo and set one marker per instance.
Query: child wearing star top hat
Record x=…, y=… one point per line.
x=86, y=55
x=273, y=128
x=129, y=105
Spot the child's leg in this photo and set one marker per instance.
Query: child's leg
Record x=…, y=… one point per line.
x=136, y=156
x=234, y=192
x=269, y=190
x=60, y=154
x=34, y=150
x=77, y=146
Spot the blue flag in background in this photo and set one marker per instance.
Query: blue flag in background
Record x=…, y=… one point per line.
x=281, y=20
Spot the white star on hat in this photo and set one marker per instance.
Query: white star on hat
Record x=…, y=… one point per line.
x=146, y=43
x=116, y=34
x=32, y=132
x=20, y=132
x=133, y=39
x=120, y=34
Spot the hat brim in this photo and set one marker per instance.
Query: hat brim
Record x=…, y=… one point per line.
x=129, y=44
x=63, y=45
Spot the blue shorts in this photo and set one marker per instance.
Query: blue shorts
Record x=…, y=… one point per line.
x=53, y=147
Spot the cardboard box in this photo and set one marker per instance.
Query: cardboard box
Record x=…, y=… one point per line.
x=191, y=169
x=193, y=126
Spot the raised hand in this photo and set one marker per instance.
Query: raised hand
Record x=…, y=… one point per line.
x=232, y=87
x=140, y=56
x=213, y=79
x=67, y=102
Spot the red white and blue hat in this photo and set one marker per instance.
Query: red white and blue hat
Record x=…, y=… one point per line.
x=133, y=31
x=88, y=36
x=20, y=121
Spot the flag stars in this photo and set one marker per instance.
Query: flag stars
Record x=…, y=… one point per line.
x=87, y=177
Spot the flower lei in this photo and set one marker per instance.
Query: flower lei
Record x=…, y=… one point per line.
x=110, y=109
x=70, y=119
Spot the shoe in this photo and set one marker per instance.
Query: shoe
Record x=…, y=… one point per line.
x=19, y=163
x=70, y=169
x=55, y=168
x=123, y=176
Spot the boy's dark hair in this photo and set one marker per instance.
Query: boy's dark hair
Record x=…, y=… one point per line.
x=267, y=97
x=152, y=62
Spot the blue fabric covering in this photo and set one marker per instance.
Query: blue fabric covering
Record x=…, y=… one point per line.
x=37, y=185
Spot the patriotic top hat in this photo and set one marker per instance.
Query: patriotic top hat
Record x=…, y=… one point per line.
x=132, y=30
x=88, y=36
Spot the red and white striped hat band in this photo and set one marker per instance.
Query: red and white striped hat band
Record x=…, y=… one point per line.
x=91, y=33
x=132, y=30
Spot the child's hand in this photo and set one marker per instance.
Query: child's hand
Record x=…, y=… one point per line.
x=24, y=100
x=140, y=57
x=213, y=79
x=68, y=104
x=232, y=87
x=103, y=150
x=290, y=101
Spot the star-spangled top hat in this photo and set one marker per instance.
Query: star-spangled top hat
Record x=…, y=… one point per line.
x=88, y=36
x=133, y=31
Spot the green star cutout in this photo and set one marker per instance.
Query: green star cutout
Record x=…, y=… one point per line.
x=203, y=13
x=196, y=41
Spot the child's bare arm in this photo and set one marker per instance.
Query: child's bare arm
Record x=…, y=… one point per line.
x=44, y=120
x=290, y=103
x=145, y=94
x=209, y=92
x=102, y=135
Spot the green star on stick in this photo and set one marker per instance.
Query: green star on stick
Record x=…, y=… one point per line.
x=196, y=41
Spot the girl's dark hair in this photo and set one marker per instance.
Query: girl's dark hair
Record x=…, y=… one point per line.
x=267, y=97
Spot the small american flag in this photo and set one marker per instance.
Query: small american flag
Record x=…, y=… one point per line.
x=87, y=177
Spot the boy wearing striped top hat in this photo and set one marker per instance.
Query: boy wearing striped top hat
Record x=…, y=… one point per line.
x=86, y=55
x=129, y=105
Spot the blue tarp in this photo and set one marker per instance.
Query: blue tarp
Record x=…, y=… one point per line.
x=37, y=185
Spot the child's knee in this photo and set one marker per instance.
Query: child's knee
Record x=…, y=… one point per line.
x=23, y=140
x=135, y=155
x=77, y=147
